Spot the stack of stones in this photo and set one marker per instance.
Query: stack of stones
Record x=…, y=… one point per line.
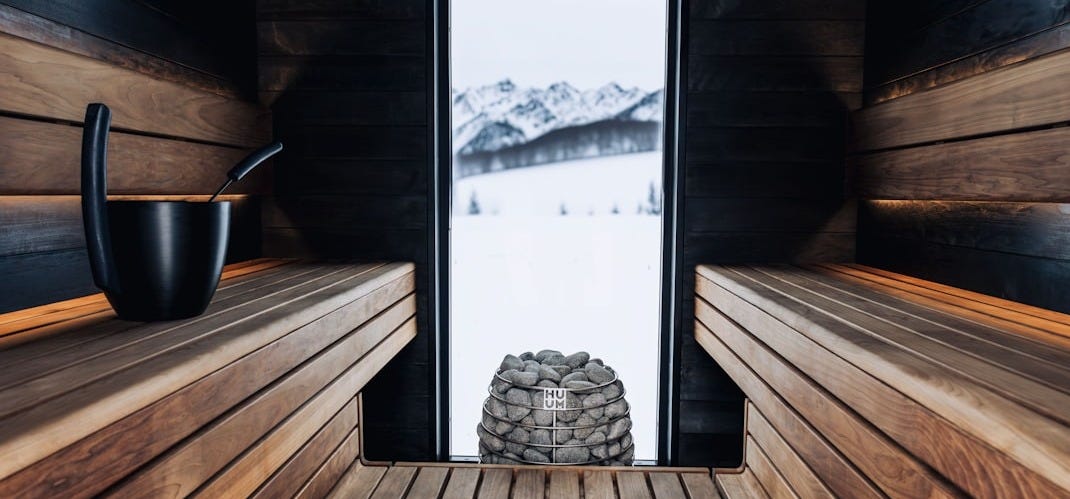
x=552, y=408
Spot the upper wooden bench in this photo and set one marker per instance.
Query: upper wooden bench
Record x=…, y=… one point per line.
x=257, y=396
x=866, y=383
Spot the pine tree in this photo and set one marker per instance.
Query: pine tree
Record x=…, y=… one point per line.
x=473, y=205
x=563, y=210
x=654, y=201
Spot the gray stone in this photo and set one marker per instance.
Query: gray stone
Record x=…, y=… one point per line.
x=599, y=452
x=618, y=428
x=594, y=401
x=501, y=427
x=575, y=376
x=555, y=359
x=545, y=383
x=490, y=440
x=497, y=408
x=528, y=421
x=570, y=402
x=563, y=436
x=578, y=385
x=612, y=391
x=585, y=420
x=527, y=356
x=598, y=361
x=573, y=455
x=614, y=449
x=545, y=354
x=530, y=366
x=515, y=448
x=626, y=440
x=541, y=437
x=598, y=374
x=526, y=378
x=577, y=359
x=617, y=409
x=519, y=398
x=562, y=370
x=511, y=362
x=545, y=372
x=535, y=456
x=519, y=435
x=543, y=418
x=595, y=438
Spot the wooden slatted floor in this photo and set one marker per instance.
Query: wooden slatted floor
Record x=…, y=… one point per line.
x=438, y=480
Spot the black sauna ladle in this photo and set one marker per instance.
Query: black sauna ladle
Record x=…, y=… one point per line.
x=154, y=260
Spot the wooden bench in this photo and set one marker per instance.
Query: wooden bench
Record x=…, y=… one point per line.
x=866, y=383
x=455, y=480
x=257, y=396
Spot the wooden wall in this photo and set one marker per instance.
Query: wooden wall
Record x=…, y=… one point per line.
x=169, y=140
x=347, y=83
x=769, y=86
x=962, y=158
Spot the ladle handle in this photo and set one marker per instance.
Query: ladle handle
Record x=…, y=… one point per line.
x=95, y=196
x=247, y=164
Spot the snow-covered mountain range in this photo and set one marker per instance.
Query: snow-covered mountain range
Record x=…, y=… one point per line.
x=503, y=115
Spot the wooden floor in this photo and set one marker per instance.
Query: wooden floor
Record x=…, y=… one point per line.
x=484, y=482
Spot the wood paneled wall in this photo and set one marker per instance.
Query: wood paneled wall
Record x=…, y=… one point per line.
x=347, y=82
x=964, y=157
x=769, y=86
x=168, y=139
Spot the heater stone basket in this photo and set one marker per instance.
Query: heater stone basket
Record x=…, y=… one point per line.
x=548, y=408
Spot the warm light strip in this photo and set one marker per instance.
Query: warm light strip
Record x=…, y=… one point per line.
x=130, y=197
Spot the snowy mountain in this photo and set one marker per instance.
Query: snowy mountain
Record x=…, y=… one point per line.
x=501, y=115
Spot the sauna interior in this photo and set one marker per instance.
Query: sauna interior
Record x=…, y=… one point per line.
x=865, y=255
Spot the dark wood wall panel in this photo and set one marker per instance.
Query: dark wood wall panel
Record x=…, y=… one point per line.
x=212, y=38
x=171, y=137
x=920, y=44
x=964, y=153
x=769, y=86
x=347, y=84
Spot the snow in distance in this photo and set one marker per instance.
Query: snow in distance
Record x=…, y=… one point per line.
x=503, y=114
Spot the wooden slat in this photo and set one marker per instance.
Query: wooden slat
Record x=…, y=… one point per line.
x=359, y=482
x=632, y=485
x=564, y=484
x=699, y=486
x=300, y=468
x=881, y=459
x=75, y=343
x=771, y=479
x=598, y=485
x=1021, y=167
x=800, y=478
x=331, y=472
x=429, y=482
x=1023, y=321
x=740, y=486
x=395, y=482
x=938, y=441
x=46, y=82
x=462, y=483
x=496, y=483
x=45, y=158
x=33, y=434
x=1034, y=361
x=1020, y=311
x=842, y=477
x=666, y=485
x=1024, y=95
x=185, y=468
x=529, y=484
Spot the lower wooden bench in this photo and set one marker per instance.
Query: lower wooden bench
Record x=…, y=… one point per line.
x=865, y=383
x=257, y=396
x=456, y=481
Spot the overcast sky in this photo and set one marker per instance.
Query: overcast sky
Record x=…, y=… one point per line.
x=538, y=42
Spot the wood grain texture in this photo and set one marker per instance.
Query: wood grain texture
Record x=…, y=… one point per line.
x=940, y=442
x=359, y=482
x=496, y=483
x=742, y=485
x=49, y=83
x=429, y=482
x=799, y=477
x=332, y=471
x=45, y=158
x=633, y=485
x=564, y=484
x=766, y=472
x=1021, y=167
x=598, y=485
x=699, y=485
x=529, y=484
x=91, y=405
x=880, y=458
x=1019, y=96
x=666, y=485
x=395, y=482
x=462, y=484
